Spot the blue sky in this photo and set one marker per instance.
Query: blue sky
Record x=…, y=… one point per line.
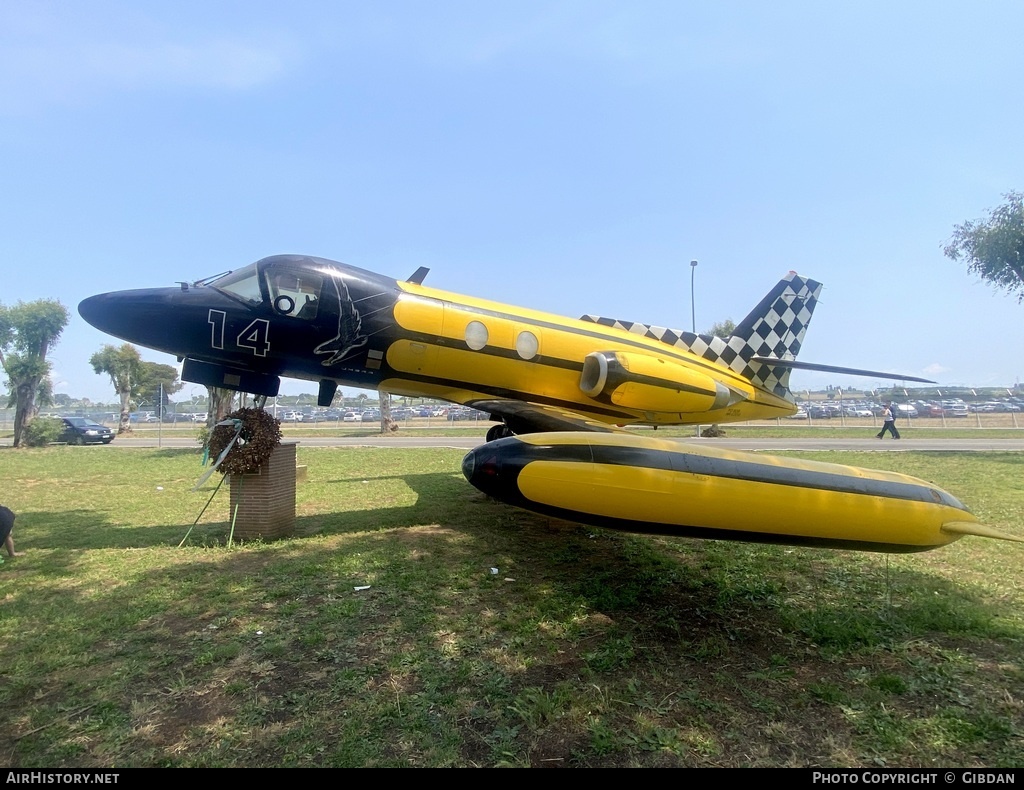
x=568, y=156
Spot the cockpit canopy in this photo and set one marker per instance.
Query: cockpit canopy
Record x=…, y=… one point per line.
x=289, y=289
x=241, y=283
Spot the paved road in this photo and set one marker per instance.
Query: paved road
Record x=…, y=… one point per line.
x=469, y=442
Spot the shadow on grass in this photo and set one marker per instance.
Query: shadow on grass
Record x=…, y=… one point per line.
x=439, y=497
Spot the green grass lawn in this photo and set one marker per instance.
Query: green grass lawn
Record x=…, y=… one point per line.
x=586, y=648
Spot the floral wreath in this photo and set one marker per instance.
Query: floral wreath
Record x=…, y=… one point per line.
x=259, y=434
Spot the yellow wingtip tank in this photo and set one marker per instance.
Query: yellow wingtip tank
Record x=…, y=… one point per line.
x=641, y=484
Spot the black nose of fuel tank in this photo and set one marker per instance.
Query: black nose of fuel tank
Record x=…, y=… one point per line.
x=482, y=468
x=494, y=468
x=469, y=465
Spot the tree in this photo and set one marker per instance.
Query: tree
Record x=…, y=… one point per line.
x=221, y=404
x=154, y=379
x=27, y=332
x=122, y=365
x=993, y=248
x=387, y=423
x=722, y=329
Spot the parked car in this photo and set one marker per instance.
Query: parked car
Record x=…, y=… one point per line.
x=199, y=417
x=350, y=416
x=465, y=413
x=81, y=430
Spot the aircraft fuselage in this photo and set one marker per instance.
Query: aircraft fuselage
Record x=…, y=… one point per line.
x=310, y=318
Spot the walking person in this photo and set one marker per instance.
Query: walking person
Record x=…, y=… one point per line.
x=889, y=422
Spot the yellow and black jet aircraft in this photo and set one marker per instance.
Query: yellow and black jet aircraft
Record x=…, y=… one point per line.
x=310, y=318
x=535, y=373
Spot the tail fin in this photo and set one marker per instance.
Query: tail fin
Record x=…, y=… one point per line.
x=775, y=328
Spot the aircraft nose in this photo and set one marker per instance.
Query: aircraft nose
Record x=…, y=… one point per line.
x=121, y=314
x=148, y=317
x=94, y=310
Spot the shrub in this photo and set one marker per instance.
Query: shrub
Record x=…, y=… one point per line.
x=43, y=431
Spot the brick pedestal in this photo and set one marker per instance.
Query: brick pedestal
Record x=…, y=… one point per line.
x=266, y=498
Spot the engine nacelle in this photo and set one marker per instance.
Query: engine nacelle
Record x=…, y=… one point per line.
x=213, y=375
x=646, y=383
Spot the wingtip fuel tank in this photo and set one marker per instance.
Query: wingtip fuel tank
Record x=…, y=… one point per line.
x=647, y=485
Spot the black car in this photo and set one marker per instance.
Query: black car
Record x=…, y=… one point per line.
x=79, y=430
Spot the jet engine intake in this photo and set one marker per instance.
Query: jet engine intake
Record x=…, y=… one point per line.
x=646, y=383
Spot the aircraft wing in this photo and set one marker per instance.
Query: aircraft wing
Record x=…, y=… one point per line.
x=523, y=417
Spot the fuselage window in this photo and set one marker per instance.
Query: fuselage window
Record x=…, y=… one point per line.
x=294, y=293
x=527, y=345
x=476, y=335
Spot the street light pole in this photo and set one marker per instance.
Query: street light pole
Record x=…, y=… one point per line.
x=693, y=309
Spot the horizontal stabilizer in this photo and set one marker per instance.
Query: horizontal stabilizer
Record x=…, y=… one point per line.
x=793, y=364
x=980, y=530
